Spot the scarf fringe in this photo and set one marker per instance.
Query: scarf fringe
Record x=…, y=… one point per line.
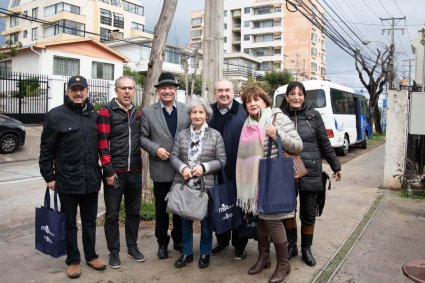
x=248, y=205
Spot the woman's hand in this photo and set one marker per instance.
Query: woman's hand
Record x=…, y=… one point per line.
x=197, y=170
x=337, y=176
x=271, y=132
x=186, y=173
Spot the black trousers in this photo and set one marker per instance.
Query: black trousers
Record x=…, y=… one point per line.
x=238, y=243
x=129, y=186
x=160, y=190
x=308, y=207
x=88, y=214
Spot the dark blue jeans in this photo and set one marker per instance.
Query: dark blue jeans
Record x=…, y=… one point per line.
x=88, y=214
x=205, y=244
x=129, y=186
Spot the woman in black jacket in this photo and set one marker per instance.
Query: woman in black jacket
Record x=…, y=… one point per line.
x=316, y=144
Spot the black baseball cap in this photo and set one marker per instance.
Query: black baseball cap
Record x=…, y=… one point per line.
x=77, y=81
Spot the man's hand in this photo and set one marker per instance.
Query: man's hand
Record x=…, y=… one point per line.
x=110, y=180
x=337, y=176
x=51, y=185
x=162, y=153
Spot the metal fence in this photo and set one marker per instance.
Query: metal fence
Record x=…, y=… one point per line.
x=98, y=92
x=24, y=96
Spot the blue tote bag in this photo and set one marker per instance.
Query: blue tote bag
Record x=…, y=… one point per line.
x=223, y=213
x=50, y=228
x=276, y=184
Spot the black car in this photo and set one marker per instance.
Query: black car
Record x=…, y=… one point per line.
x=12, y=134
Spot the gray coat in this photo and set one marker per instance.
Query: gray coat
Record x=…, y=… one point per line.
x=155, y=134
x=212, y=151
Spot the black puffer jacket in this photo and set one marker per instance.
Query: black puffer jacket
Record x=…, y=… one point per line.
x=68, y=149
x=119, y=139
x=312, y=131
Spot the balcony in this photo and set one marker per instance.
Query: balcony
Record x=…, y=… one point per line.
x=236, y=40
x=236, y=27
x=236, y=13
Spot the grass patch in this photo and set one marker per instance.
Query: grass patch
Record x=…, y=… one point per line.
x=147, y=212
x=377, y=137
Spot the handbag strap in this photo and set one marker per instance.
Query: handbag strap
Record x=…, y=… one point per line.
x=47, y=199
x=278, y=141
x=274, y=124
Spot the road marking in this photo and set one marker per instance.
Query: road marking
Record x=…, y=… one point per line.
x=20, y=180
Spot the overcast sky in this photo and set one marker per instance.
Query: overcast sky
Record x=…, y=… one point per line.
x=363, y=16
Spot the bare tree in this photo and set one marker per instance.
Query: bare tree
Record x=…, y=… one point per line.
x=377, y=80
x=154, y=70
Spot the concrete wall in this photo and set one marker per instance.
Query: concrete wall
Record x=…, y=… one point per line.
x=396, y=139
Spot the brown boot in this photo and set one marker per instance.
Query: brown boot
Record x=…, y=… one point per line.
x=263, y=256
x=73, y=271
x=282, y=267
x=97, y=264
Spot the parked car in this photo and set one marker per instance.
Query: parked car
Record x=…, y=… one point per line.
x=12, y=134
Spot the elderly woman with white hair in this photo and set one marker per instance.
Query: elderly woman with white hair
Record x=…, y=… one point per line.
x=197, y=152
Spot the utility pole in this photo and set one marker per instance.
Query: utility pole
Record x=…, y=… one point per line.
x=213, y=47
x=410, y=69
x=184, y=61
x=391, y=30
x=423, y=62
x=195, y=65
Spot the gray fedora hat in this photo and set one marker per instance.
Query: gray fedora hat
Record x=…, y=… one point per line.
x=167, y=79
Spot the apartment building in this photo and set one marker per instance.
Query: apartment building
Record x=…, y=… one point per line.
x=268, y=31
x=30, y=21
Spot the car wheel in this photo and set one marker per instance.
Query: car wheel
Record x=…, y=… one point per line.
x=343, y=150
x=9, y=143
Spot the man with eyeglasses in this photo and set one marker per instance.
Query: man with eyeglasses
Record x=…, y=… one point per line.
x=228, y=118
x=120, y=155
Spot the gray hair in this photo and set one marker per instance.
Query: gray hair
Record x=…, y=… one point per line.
x=223, y=80
x=196, y=101
x=117, y=81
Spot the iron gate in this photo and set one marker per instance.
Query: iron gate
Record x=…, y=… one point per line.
x=24, y=96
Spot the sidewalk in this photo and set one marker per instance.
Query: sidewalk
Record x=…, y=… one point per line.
x=392, y=238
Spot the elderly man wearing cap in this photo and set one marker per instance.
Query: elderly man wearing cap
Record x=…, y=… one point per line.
x=69, y=164
x=160, y=123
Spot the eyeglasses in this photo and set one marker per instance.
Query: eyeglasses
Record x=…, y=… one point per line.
x=125, y=87
x=221, y=90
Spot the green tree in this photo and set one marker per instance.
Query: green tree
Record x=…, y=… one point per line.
x=10, y=49
x=138, y=77
x=29, y=87
x=276, y=79
x=251, y=81
x=197, y=89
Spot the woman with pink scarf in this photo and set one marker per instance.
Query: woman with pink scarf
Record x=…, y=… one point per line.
x=263, y=123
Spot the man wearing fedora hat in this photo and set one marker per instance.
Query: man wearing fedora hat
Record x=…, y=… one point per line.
x=69, y=164
x=160, y=123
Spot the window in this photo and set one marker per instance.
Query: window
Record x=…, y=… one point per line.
x=277, y=51
x=263, y=24
x=316, y=97
x=247, y=10
x=313, y=67
x=118, y=20
x=246, y=50
x=116, y=3
x=314, y=37
x=313, y=51
x=103, y=71
x=104, y=34
x=278, y=9
x=225, y=26
x=246, y=37
x=14, y=21
x=137, y=26
x=34, y=13
x=266, y=66
x=105, y=17
x=263, y=38
x=24, y=34
x=196, y=21
x=342, y=102
x=105, y=1
x=66, y=66
x=133, y=8
x=196, y=33
x=277, y=37
x=262, y=11
x=172, y=55
x=15, y=3
x=14, y=37
x=6, y=66
x=225, y=39
x=225, y=13
x=60, y=7
x=64, y=26
x=246, y=24
x=34, y=34
x=277, y=23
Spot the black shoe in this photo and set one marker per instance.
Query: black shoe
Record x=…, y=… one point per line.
x=162, y=252
x=183, y=260
x=240, y=254
x=136, y=254
x=204, y=261
x=218, y=248
x=114, y=260
x=307, y=257
x=177, y=247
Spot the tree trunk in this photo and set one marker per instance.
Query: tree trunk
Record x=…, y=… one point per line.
x=377, y=120
x=154, y=70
